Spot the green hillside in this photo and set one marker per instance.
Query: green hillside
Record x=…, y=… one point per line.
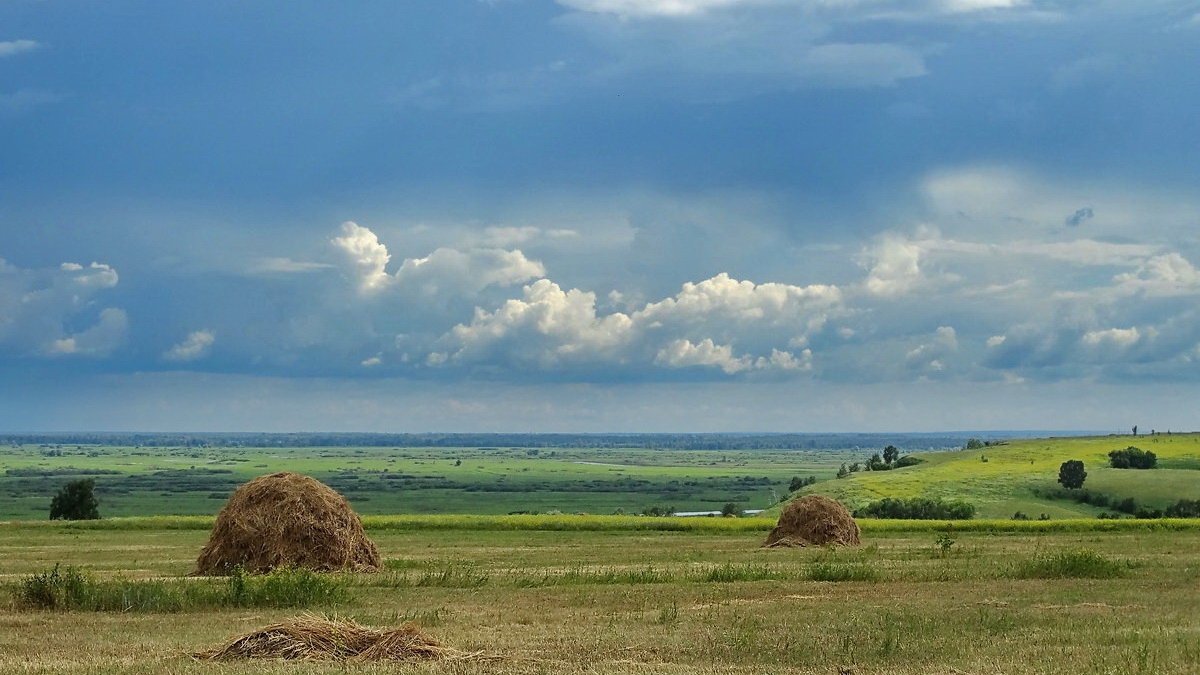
x=1006, y=482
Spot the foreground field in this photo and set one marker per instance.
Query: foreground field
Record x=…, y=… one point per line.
x=705, y=601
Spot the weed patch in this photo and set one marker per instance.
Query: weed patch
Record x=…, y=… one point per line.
x=73, y=589
x=1077, y=564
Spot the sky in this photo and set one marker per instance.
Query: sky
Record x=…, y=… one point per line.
x=599, y=215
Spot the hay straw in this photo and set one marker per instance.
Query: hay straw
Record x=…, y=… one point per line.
x=813, y=520
x=287, y=520
x=315, y=638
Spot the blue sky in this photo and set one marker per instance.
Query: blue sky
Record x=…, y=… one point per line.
x=599, y=215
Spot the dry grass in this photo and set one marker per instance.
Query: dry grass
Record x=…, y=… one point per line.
x=317, y=638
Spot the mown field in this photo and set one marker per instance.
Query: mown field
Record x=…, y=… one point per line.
x=1004, y=479
x=707, y=600
x=132, y=481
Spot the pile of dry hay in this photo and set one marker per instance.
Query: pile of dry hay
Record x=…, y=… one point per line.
x=813, y=520
x=287, y=520
x=315, y=638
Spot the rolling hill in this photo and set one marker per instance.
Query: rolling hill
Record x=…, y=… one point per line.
x=1003, y=479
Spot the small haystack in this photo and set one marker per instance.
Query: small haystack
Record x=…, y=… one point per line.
x=813, y=520
x=287, y=520
x=315, y=638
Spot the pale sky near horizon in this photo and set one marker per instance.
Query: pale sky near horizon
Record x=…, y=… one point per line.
x=600, y=215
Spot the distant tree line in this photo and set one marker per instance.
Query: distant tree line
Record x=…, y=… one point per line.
x=917, y=508
x=731, y=441
x=1184, y=508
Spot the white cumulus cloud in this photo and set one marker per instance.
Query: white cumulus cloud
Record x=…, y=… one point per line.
x=444, y=271
x=195, y=346
x=550, y=327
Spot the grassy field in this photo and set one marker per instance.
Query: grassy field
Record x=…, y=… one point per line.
x=1004, y=479
x=182, y=481
x=999, y=480
x=703, y=601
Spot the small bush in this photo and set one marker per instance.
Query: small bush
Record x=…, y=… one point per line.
x=1077, y=564
x=1128, y=505
x=58, y=588
x=944, y=544
x=1184, y=508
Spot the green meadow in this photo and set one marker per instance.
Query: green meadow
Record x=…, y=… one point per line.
x=133, y=481
x=1000, y=480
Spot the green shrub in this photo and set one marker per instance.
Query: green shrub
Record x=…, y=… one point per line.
x=1132, y=458
x=58, y=588
x=1184, y=508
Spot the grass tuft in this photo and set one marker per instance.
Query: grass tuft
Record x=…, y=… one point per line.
x=74, y=589
x=1076, y=564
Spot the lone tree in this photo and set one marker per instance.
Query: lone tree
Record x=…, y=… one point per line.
x=731, y=509
x=890, y=454
x=875, y=463
x=76, y=501
x=1071, y=474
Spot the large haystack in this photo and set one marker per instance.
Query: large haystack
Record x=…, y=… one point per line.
x=315, y=638
x=287, y=520
x=813, y=520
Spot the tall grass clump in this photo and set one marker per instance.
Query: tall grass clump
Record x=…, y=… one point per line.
x=73, y=589
x=286, y=587
x=1076, y=564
